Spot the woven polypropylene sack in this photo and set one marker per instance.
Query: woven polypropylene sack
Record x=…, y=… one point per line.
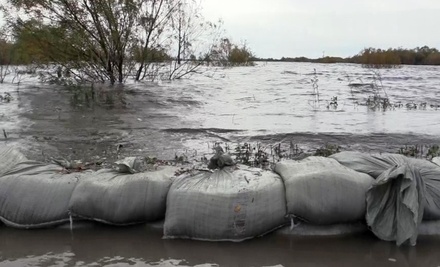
x=233, y=203
x=9, y=157
x=436, y=160
x=406, y=191
x=322, y=191
x=35, y=195
x=120, y=199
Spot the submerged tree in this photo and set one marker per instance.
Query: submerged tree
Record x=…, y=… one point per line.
x=5, y=56
x=190, y=35
x=90, y=36
x=108, y=40
x=230, y=54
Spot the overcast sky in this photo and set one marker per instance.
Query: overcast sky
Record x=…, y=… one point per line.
x=290, y=28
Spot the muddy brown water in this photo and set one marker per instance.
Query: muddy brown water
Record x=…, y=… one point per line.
x=98, y=245
x=266, y=104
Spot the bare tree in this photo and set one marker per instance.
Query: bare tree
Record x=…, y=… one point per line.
x=153, y=20
x=192, y=36
x=94, y=34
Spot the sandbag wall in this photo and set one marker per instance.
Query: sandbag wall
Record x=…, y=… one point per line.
x=390, y=192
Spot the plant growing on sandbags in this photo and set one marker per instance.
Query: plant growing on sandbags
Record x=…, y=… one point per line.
x=420, y=151
x=327, y=150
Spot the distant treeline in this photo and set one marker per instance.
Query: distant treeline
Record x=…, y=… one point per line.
x=372, y=57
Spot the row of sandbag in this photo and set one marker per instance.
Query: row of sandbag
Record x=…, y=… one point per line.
x=233, y=203
x=392, y=192
x=35, y=194
x=241, y=202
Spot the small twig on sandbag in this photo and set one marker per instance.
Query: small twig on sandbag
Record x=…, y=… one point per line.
x=74, y=165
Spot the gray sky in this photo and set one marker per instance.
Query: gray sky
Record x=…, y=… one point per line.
x=290, y=28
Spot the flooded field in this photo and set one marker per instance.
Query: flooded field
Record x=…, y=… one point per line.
x=268, y=104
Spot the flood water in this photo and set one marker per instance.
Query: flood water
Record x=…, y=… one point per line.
x=269, y=103
x=98, y=245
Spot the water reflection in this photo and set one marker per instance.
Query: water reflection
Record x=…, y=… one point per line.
x=89, y=96
x=98, y=245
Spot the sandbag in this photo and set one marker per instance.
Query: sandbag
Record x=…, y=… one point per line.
x=395, y=204
x=406, y=191
x=121, y=199
x=376, y=164
x=234, y=203
x=9, y=157
x=436, y=160
x=35, y=195
x=321, y=191
x=373, y=165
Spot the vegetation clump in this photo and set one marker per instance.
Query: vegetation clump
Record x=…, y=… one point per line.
x=327, y=150
x=6, y=97
x=266, y=156
x=420, y=151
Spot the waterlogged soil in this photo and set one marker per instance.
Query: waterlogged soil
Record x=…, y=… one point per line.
x=267, y=104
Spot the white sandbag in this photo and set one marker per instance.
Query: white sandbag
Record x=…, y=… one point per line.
x=436, y=160
x=233, y=203
x=35, y=195
x=121, y=199
x=9, y=157
x=322, y=191
x=395, y=204
x=406, y=191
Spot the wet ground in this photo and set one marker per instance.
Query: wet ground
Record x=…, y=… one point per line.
x=267, y=104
